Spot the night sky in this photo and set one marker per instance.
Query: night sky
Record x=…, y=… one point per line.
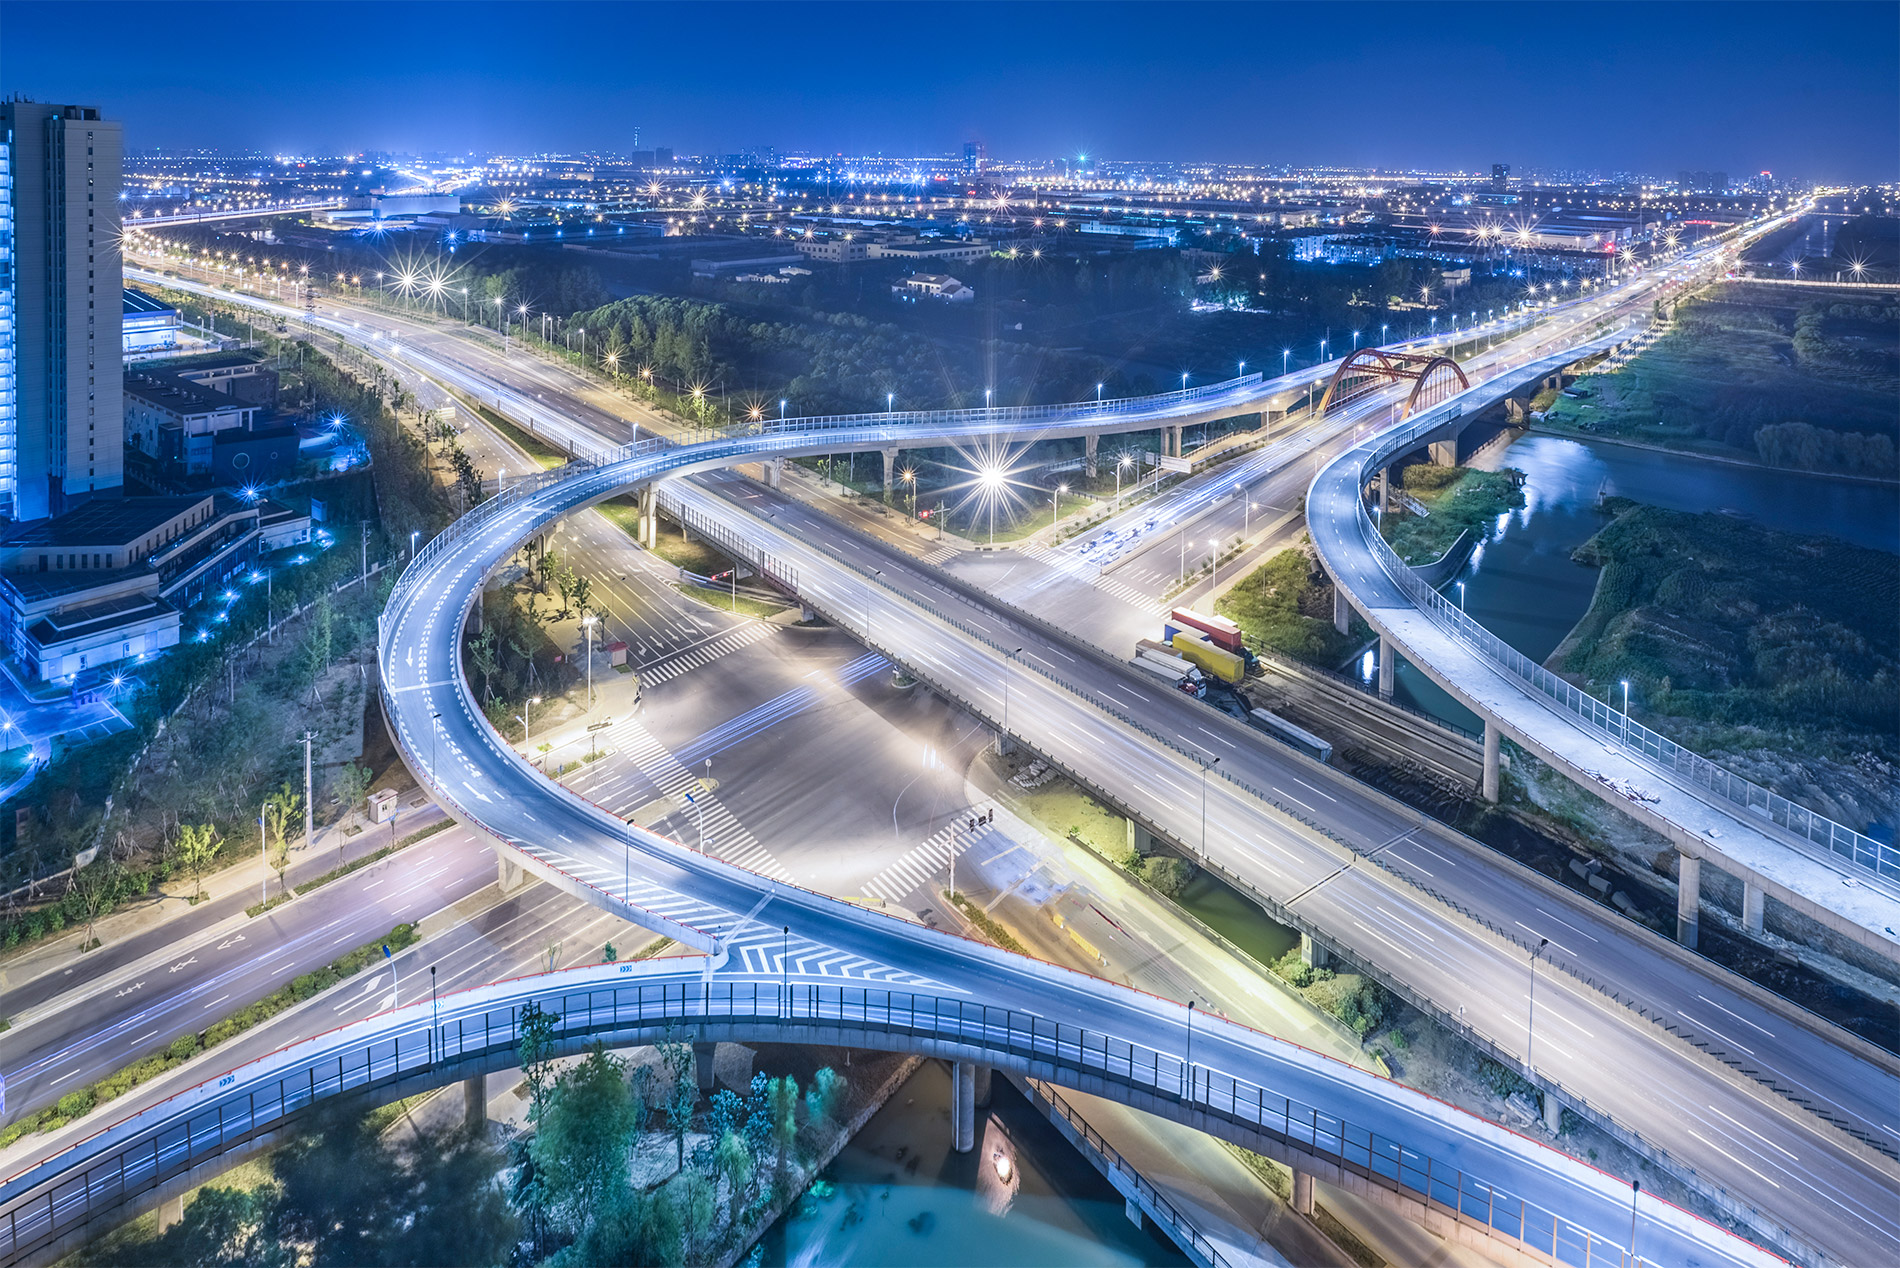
x=1804, y=89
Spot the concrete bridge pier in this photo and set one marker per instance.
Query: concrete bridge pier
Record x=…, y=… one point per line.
x=1445, y=452
x=1688, y=899
x=510, y=875
x=775, y=473
x=890, y=473
x=963, y=1106
x=475, y=1105
x=1753, y=900
x=1303, y=1193
x=1090, y=443
x=1491, y=746
x=1005, y=744
x=1312, y=954
x=1342, y=611
x=1385, y=490
x=1553, y=1114
x=1388, y=666
x=703, y=1065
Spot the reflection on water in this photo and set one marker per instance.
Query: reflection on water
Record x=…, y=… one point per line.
x=897, y=1194
x=1524, y=586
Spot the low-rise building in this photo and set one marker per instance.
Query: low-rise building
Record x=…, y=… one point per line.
x=842, y=249
x=186, y=429
x=938, y=286
x=148, y=325
x=709, y=267
x=929, y=249
x=107, y=581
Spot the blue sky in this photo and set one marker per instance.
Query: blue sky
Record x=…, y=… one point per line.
x=1804, y=89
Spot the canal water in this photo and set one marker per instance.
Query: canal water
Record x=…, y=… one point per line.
x=898, y=1194
x=1523, y=585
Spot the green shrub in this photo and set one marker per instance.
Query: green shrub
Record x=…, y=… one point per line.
x=73, y=1104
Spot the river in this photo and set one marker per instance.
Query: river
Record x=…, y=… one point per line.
x=1524, y=586
x=897, y=1194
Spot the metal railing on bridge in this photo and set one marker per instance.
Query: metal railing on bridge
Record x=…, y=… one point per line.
x=435, y=1044
x=1604, y=720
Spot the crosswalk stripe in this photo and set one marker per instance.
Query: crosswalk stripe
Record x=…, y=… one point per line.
x=909, y=873
x=1075, y=569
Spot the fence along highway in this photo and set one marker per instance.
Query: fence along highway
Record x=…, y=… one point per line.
x=1163, y=778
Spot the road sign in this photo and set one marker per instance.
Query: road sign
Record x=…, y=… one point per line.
x=1167, y=462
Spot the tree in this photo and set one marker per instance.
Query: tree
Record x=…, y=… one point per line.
x=682, y=1095
x=281, y=808
x=97, y=886
x=536, y=1051
x=486, y=660
x=583, y=591
x=733, y=1162
x=547, y=568
x=583, y=1138
x=197, y=846
x=783, y=1098
x=825, y=1096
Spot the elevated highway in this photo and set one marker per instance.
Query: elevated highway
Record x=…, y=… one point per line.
x=1155, y=777
x=1340, y=1124
x=1840, y=878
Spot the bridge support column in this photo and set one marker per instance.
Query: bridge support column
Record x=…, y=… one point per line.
x=1005, y=744
x=1179, y=433
x=890, y=473
x=703, y=1065
x=1553, y=1114
x=963, y=1106
x=1090, y=443
x=475, y=1105
x=169, y=1212
x=509, y=875
x=1753, y=899
x=1303, y=1193
x=1385, y=490
x=1342, y=611
x=775, y=473
x=1388, y=666
x=1491, y=746
x=1312, y=954
x=1688, y=899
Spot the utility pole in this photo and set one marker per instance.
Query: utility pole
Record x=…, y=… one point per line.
x=309, y=812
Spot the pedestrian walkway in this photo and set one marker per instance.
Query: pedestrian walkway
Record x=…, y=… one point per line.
x=910, y=873
x=674, y=664
x=1080, y=570
x=725, y=837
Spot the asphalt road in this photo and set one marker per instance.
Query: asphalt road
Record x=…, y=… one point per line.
x=1165, y=790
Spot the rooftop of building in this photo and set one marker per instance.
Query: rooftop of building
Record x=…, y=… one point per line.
x=104, y=520
x=137, y=302
x=171, y=391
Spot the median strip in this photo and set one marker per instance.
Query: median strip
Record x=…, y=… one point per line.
x=82, y=1101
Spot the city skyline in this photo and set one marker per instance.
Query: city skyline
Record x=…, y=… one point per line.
x=1035, y=83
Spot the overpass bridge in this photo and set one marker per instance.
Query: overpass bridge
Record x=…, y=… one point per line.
x=1387, y=1143
x=551, y=833
x=1836, y=876
x=233, y=211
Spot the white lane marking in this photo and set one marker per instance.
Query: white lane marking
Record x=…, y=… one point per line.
x=1737, y=1016
x=1566, y=924
x=1712, y=1030
x=1751, y=1131
x=1322, y=792
x=1731, y=1157
x=1553, y=942
x=1229, y=743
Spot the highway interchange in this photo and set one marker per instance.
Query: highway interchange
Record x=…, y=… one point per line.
x=1404, y=936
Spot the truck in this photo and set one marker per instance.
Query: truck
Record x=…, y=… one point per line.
x=1220, y=631
x=1216, y=662
x=1298, y=737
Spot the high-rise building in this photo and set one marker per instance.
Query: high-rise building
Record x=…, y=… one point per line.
x=1500, y=177
x=973, y=157
x=62, y=419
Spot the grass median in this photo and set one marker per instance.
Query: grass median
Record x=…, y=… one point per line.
x=82, y=1101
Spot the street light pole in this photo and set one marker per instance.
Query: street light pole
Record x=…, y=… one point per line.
x=1530, y=1019
x=1190, y=1048
x=1206, y=766
x=1007, y=661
